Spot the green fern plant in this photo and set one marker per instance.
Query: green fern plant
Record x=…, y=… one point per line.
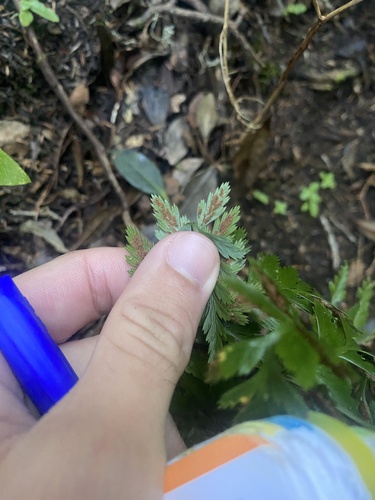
x=220, y=226
x=271, y=343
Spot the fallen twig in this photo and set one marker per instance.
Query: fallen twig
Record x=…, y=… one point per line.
x=56, y=86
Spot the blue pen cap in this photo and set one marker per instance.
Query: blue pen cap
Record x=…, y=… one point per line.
x=35, y=359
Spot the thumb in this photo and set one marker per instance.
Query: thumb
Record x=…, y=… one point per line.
x=146, y=342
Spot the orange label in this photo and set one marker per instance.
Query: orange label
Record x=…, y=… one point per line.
x=209, y=457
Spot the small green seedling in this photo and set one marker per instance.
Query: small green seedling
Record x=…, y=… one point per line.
x=311, y=198
x=261, y=197
x=295, y=9
x=280, y=207
x=30, y=7
x=327, y=180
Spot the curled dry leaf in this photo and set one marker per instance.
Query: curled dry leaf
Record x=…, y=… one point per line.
x=203, y=114
x=175, y=146
x=186, y=169
x=43, y=229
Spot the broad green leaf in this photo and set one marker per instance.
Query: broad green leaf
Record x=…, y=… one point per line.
x=26, y=18
x=242, y=357
x=243, y=392
x=337, y=287
x=139, y=171
x=11, y=174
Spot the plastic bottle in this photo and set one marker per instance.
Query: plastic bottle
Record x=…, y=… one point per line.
x=283, y=458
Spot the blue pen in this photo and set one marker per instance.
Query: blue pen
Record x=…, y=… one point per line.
x=35, y=359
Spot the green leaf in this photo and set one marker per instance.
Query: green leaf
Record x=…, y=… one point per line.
x=11, y=174
x=280, y=207
x=41, y=10
x=298, y=356
x=226, y=247
x=26, y=18
x=357, y=359
x=337, y=287
x=138, y=247
x=296, y=9
x=167, y=217
x=211, y=209
x=241, y=358
x=328, y=326
x=327, y=180
x=226, y=225
x=359, y=313
x=261, y=197
x=340, y=392
x=243, y=392
x=256, y=297
x=139, y=171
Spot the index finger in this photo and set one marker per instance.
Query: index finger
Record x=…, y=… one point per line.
x=75, y=289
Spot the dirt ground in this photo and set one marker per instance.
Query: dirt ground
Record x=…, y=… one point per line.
x=143, y=76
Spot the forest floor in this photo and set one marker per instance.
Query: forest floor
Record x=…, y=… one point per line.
x=149, y=78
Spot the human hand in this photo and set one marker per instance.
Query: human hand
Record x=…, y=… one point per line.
x=106, y=438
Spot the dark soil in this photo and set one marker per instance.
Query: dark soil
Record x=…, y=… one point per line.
x=131, y=81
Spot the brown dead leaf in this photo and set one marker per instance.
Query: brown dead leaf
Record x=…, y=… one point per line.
x=250, y=159
x=185, y=169
x=176, y=101
x=206, y=116
x=13, y=132
x=43, y=229
x=80, y=97
x=175, y=146
x=367, y=228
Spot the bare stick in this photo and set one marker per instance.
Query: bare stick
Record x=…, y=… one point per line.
x=97, y=145
x=223, y=51
x=337, y=11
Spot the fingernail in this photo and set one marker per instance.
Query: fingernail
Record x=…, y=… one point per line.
x=193, y=256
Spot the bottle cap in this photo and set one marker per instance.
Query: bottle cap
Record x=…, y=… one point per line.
x=35, y=359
